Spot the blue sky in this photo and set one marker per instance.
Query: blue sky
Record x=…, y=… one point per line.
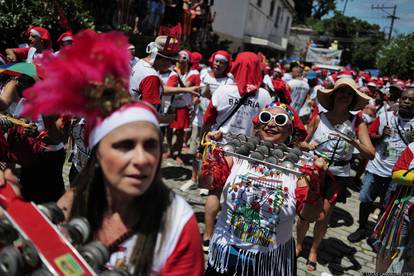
x=362, y=9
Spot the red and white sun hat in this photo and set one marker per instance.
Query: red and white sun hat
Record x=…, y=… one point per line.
x=134, y=112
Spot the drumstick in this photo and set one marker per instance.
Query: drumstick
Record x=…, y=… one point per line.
x=386, y=113
x=15, y=121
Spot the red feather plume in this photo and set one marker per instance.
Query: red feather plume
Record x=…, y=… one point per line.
x=82, y=78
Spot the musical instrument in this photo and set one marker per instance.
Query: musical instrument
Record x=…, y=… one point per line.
x=4, y=119
x=277, y=156
x=34, y=240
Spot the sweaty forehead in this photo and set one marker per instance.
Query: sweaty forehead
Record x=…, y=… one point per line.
x=408, y=93
x=275, y=110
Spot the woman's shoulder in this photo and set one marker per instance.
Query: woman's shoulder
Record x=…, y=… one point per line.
x=180, y=210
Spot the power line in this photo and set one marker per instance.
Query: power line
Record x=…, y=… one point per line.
x=391, y=16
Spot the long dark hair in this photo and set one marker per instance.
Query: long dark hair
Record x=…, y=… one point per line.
x=90, y=201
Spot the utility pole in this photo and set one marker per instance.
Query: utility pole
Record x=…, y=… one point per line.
x=392, y=16
x=343, y=11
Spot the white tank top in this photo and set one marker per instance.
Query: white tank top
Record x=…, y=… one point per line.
x=328, y=143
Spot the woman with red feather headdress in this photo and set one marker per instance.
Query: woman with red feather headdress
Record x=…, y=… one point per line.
x=146, y=227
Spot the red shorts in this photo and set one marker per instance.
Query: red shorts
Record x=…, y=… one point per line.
x=182, y=118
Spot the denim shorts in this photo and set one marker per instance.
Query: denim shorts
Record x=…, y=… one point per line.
x=374, y=186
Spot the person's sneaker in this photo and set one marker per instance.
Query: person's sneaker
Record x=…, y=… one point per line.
x=188, y=185
x=206, y=244
x=203, y=192
x=358, y=235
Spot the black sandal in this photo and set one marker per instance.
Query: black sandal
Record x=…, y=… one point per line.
x=311, y=264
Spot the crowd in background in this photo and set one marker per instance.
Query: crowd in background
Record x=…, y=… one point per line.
x=201, y=99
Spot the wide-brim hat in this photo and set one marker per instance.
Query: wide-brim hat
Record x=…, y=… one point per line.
x=325, y=99
x=168, y=47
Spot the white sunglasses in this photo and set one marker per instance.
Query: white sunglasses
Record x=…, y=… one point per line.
x=280, y=119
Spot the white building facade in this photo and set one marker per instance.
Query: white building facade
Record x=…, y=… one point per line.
x=254, y=24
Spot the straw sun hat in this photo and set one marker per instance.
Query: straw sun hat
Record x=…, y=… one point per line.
x=325, y=99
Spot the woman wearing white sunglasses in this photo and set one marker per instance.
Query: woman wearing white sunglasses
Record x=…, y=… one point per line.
x=253, y=233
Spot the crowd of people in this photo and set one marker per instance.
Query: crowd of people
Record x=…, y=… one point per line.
x=116, y=117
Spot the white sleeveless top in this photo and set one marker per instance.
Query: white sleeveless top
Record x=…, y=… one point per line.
x=328, y=143
x=258, y=209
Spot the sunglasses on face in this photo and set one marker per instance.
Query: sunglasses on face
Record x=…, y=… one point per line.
x=280, y=119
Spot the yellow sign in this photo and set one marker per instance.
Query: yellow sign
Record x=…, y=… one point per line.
x=68, y=265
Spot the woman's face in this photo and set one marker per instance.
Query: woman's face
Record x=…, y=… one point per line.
x=219, y=66
x=271, y=131
x=344, y=96
x=129, y=156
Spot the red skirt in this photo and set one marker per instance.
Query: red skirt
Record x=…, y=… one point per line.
x=182, y=118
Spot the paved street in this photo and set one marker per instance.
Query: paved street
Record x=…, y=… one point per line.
x=354, y=259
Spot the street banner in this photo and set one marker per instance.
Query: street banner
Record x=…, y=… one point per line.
x=324, y=56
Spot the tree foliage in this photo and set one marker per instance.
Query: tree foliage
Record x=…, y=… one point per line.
x=359, y=40
x=56, y=16
x=397, y=57
x=315, y=9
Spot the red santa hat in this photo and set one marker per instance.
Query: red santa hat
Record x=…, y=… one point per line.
x=42, y=33
x=67, y=36
x=344, y=74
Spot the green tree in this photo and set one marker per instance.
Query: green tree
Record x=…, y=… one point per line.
x=359, y=40
x=54, y=15
x=397, y=57
x=312, y=8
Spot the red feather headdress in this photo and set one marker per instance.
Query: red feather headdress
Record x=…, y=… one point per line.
x=88, y=78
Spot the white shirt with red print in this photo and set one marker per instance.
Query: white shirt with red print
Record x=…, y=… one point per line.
x=145, y=83
x=390, y=148
x=299, y=90
x=178, y=252
x=225, y=99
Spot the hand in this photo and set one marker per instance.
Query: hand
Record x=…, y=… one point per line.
x=312, y=145
x=31, y=130
x=194, y=90
x=214, y=135
x=11, y=57
x=196, y=100
x=8, y=177
x=321, y=163
x=386, y=132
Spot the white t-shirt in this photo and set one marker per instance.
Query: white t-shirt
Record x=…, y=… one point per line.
x=226, y=98
x=212, y=83
x=299, y=89
x=139, y=72
x=287, y=77
x=267, y=80
x=390, y=148
x=166, y=99
x=184, y=99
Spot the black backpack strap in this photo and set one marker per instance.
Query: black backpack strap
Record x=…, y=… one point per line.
x=239, y=104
